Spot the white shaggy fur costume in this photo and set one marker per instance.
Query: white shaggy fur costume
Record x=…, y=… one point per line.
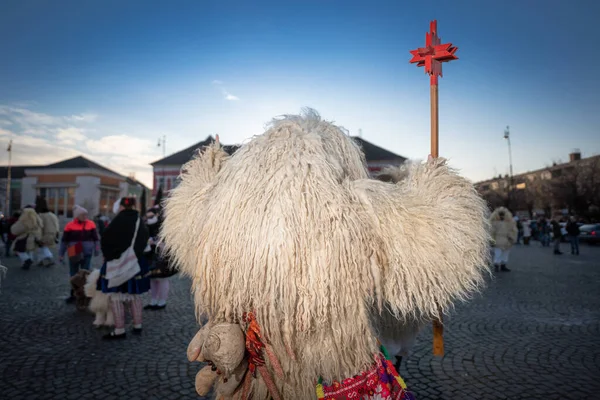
x=99, y=303
x=504, y=234
x=292, y=228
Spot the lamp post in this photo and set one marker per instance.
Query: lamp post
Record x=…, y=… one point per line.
x=8, y=176
x=162, y=142
x=511, y=183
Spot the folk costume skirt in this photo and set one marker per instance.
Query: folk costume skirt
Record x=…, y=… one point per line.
x=381, y=382
x=139, y=284
x=161, y=266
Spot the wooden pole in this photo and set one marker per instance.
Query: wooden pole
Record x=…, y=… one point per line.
x=435, y=133
x=438, y=326
x=431, y=57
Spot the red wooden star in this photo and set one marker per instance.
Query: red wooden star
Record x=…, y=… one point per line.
x=433, y=54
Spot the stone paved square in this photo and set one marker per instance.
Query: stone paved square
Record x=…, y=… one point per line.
x=534, y=333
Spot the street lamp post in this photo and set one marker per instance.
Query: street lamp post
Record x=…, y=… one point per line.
x=8, y=176
x=162, y=142
x=511, y=184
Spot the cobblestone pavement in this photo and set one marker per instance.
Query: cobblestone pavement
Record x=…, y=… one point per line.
x=534, y=333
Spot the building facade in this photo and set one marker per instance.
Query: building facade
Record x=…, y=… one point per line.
x=17, y=174
x=166, y=171
x=67, y=183
x=545, y=190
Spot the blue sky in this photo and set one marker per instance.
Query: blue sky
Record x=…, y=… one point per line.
x=107, y=78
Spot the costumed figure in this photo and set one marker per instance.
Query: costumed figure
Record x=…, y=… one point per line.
x=295, y=254
x=28, y=233
x=79, y=242
x=526, y=232
x=504, y=236
x=78, y=282
x=10, y=237
x=557, y=234
x=160, y=264
x=124, y=274
x=50, y=232
x=573, y=233
x=99, y=302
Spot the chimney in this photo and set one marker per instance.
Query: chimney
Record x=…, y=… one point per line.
x=575, y=155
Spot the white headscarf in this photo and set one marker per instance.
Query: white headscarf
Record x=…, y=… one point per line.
x=116, y=206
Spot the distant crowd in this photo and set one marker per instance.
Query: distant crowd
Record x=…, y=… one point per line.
x=132, y=260
x=555, y=230
x=508, y=231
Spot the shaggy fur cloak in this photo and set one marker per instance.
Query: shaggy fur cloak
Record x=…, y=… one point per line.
x=292, y=228
x=504, y=231
x=29, y=227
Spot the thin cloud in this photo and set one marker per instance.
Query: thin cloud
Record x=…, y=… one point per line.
x=40, y=138
x=229, y=96
x=226, y=95
x=84, y=117
x=71, y=134
x=35, y=123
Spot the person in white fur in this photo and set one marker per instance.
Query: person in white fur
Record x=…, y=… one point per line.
x=504, y=235
x=291, y=242
x=28, y=232
x=50, y=231
x=99, y=304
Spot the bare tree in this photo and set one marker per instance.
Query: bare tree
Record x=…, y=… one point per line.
x=495, y=198
x=576, y=187
x=590, y=182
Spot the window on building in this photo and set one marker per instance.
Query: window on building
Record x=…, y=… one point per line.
x=59, y=200
x=160, y=182
x=546, y=175
x=15, y=200
x=70, y=201
x=52, y=200
x=108, y=197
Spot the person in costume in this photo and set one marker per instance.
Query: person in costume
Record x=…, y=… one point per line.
x=28, y=233
x=80, y=243
x=50, y=231
x=295, y=253
x=573, y=233
x=10, y=237
x=504, y=235
x=119, y=236
x=557, y=234
x=160, y=266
